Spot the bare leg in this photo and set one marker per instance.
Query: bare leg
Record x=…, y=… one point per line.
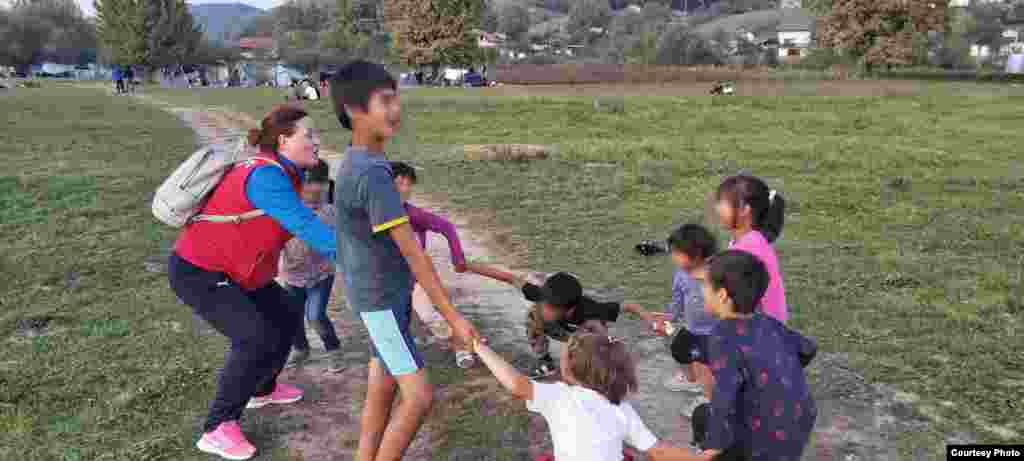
x=692, y=374
x=380, y=395
x=706, y=378
x=417, y=398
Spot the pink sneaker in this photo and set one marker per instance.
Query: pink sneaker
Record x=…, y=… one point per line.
x=227, y=442
x=283, y=393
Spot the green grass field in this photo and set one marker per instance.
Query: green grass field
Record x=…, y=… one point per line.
x=902, y=248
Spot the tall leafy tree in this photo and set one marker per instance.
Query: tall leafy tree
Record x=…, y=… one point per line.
x=151, y=33
x=587, y=14
x=514, y=21
x=433, y=32
x=985, y=25
x=343, y=37
x=32, y=30
x=880, y=32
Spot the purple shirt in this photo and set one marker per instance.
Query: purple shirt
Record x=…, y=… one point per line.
x=688, y=304
x=774, y=301
x=761, y=403
x=422, y=221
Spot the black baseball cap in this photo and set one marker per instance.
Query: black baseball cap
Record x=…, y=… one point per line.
x=562, y=290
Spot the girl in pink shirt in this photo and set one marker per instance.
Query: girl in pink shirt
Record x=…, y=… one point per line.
x=753, y=214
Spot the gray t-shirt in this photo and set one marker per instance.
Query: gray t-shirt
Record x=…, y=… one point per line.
x=374, y=272
x=688, y=304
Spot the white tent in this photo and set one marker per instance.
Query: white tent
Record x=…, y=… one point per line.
x=1015, y=64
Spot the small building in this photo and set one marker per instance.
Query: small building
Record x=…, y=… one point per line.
x=795, y=32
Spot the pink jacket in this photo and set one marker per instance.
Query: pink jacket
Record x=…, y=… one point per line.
x=774, y=301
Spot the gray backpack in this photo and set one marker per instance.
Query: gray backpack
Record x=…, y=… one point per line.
x=181, y=198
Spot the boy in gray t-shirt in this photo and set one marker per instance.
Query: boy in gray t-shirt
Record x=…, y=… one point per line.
x=379, y=255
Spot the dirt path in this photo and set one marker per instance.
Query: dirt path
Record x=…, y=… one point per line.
x=857, y=420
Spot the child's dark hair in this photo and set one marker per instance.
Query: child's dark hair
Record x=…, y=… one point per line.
x=353, y=84
x=694, y=241
x=320, y=173
x=402, y=169
x=602, y=364
x=766, y=205
x=743, y=276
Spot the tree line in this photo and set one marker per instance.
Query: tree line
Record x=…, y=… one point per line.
x=307, y=34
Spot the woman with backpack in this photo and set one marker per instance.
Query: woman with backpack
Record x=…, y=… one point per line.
x=224, y=264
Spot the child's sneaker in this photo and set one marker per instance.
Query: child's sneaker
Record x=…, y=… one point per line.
x=678, y=383
x=283, y=393
x=227, y=442
x=464, y=359
x=545, y=368
x=297, y=357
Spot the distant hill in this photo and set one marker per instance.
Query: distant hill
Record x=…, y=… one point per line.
x=224, y=21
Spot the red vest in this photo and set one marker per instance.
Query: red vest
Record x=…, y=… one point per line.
x=247, y=252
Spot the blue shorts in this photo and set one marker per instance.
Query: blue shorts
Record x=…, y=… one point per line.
x=390, y=340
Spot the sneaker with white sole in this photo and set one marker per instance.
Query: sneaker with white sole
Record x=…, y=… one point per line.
x=297, y=357
x=678, y=383
x=282, y=394
x=227, y=442
x=464, y=359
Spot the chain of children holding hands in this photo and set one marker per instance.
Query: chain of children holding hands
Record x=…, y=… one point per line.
x=730, y=306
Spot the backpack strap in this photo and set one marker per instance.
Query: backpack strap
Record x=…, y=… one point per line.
x=239, y=218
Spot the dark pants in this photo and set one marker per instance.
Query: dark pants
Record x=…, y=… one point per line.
x=698, y=422
x=260, y=325
x=313, y=301
x=119, y=83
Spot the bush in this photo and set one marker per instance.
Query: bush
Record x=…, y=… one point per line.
x=823, y=59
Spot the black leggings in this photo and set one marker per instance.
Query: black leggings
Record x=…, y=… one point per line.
x=698, y=422
x=260, y=325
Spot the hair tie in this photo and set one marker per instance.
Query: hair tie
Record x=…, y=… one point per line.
x=771, y=196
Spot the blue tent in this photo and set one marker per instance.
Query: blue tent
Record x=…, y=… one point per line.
x=283, y=75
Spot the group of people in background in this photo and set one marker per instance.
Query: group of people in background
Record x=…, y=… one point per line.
x=124, y=79
x=726, y=319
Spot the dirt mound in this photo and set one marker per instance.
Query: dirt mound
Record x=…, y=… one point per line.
x=506, y=152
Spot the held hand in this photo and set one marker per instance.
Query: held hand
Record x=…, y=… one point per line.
x=460, y=268
x=662, y=316
x=465, y=331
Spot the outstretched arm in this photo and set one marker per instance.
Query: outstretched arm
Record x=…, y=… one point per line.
x=516, y=383
x=269, y=189
x=497, y=274
x=423, y=220
x=641, y=312
x=663, y=452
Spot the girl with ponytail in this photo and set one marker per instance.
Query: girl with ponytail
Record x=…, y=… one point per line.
x=753, y=214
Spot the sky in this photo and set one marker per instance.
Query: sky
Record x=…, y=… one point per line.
x=265, y=4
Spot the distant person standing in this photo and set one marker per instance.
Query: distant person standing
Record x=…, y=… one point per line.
x=118, y=78
x=129, y=77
